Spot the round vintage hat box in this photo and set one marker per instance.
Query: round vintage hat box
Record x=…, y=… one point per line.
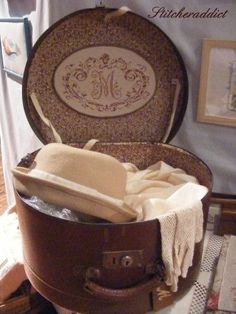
x=114, y=76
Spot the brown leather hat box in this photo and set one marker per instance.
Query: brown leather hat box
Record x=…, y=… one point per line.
x=116, y=77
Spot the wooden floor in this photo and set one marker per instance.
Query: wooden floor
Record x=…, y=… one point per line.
x=3, y=200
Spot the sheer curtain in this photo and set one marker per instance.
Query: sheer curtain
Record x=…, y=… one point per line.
x=214, y=144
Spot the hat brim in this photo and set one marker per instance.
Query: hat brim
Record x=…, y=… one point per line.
x=65, y=193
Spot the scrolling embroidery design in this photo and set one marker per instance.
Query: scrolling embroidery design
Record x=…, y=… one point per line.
x=105, y=83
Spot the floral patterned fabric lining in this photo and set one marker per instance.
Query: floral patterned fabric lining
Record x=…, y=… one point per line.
x=124, y=77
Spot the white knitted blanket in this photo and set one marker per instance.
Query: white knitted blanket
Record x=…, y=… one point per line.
x=174, y=198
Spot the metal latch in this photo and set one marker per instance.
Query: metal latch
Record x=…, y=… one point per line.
x=122, y=259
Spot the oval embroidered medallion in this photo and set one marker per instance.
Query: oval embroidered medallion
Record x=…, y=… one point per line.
x=105, y=81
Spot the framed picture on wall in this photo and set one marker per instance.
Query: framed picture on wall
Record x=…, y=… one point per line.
x=217, y=93
x=15, y=44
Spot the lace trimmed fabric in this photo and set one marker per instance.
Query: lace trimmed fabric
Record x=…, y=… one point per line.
x=174, y=198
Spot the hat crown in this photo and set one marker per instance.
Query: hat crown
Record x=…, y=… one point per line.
x=91, y=169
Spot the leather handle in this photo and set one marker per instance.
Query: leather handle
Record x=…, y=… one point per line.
x=119, y=295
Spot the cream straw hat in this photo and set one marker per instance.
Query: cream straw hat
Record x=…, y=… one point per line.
x=88, y=182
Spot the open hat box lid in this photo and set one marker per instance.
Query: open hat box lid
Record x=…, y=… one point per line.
x=109, y=75
x=106, y=74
